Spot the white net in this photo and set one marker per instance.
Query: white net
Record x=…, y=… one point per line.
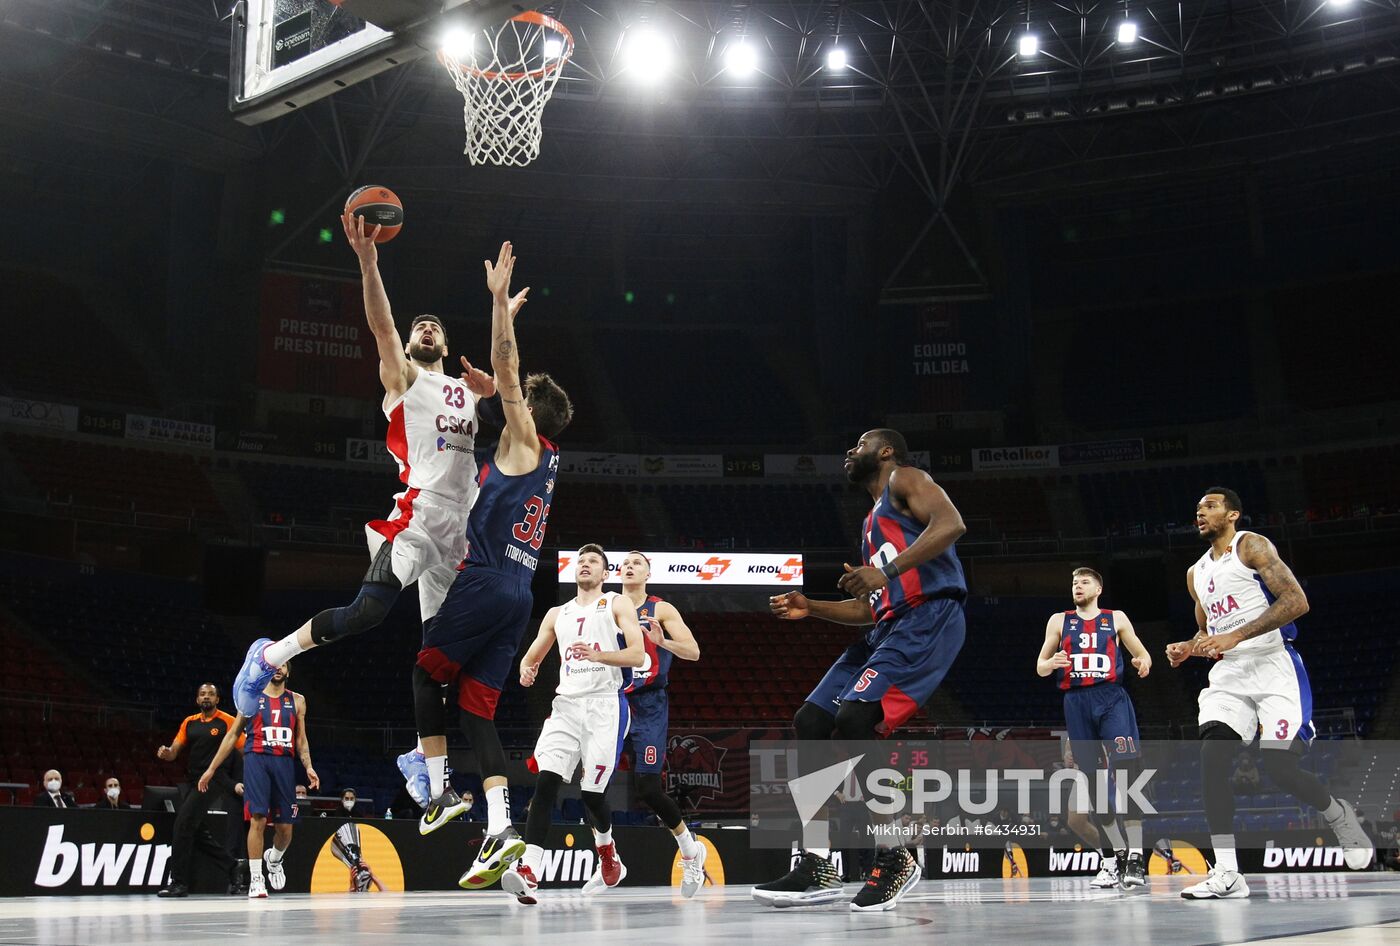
x=506, y=75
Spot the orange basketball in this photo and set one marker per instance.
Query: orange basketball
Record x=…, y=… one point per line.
x=378, y=205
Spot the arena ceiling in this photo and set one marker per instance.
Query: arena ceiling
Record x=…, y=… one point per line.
x=937, y=98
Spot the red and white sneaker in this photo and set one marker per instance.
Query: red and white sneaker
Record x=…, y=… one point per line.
x=608, y=864
x=520, y=882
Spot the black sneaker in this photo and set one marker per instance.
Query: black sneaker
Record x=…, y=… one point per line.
x=1131, y=874
x=811, y=881
x=441, y=810
x=173, y=890
x=895, y=873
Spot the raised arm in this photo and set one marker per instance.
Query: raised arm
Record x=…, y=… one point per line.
x=544, y=640
x=669, y=631
x=1142, y=660
x=1051, y=657
x=225, y=747
x=926, y=501
x=396, y=373
x=172, y=752
x=1290, y=603
x=794, y=606
x=313, y=780
x=519, y=446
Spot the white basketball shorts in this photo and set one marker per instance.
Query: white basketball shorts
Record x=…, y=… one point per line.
x=429, y=537
x=587, y=729
x=1265, y=694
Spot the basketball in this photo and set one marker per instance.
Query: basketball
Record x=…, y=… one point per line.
x=378, y=205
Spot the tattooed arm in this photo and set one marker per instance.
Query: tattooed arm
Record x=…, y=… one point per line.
x=519, y=448
x=1290, y=603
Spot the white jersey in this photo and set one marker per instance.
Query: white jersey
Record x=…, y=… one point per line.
x=432, y=433
x=1232, y=594
x=594, y=625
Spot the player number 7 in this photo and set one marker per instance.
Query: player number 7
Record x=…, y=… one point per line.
x=598, y=779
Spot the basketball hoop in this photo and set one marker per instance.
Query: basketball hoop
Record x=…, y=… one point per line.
x=506, y=78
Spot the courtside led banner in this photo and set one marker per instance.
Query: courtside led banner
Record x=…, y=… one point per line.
x=703, y=568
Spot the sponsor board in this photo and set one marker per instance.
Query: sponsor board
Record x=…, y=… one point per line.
x=683, y=465
x=27, y=412
x=703, y=568
x=87, y=852
x=102, y=423
x=600, y=464
x=1016, y=458
x=1101, y=451
x=180, y=433
x=369, y=452
x=823, y=465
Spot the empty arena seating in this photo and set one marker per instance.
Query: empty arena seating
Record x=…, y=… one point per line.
x=287, y=493
x=85, y=473
x=787, y=517
x=1353, y=482
x=1147, y=500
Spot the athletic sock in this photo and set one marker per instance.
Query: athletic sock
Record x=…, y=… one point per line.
x=255, y=868
x=820, y=851
x=1115, y=835
x=1135, y=836
x=280, y=652
x=497, y=810
x=1224, y=847
x=602, y=839
x=1334, y=812
x=437, y=775
x=533, y=855
x=273, y=856
x=687, y=843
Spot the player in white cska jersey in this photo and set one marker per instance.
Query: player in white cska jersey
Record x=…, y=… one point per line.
x=432, y=430
x=1247, y=600
x=599, y=642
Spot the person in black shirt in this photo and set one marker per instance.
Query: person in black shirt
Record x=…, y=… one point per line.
x=202, y=732
x=111, y=799
x=53, y=795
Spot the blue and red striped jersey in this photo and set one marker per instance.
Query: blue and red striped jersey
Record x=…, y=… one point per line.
x=658, y=665
x=507, y=523
x=1092, y=647
x=273, y=729
x=888, y=532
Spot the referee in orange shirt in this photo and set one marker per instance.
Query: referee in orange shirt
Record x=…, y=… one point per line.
x=202, y=732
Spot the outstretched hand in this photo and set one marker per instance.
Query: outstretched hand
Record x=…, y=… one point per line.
x=477, y=381
x=498, y=281
x=360, y=239
x=792, y=606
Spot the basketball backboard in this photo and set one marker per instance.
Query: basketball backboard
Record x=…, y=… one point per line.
x=289, y=53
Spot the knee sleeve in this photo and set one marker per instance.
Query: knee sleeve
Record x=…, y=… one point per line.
x=597, y=805
x=486, y=742
x=1219, y=744
x=651, y=792
x=857, y=720
x=813, y=722
x=429, y=713
x=1281, y=766
x=541, y=807
x=367, y=611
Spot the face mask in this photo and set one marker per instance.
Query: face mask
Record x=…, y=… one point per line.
x=347, y=803
x=52, y=784
x=112, y=793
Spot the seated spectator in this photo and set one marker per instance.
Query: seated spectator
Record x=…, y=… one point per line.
x=347, y=804
x=112, y=796
x=1245, y=781
x=51, y=793
x=302, y=793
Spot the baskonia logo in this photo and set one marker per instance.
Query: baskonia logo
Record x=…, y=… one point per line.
x=102, y=865
x=693, y=765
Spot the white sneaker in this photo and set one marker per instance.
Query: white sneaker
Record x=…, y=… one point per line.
x=257, y=890
x=1357, y=849
x=276, y=873
x=596, y=884
x=693, y=872
x=1219, y=885
x=1107, y=875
